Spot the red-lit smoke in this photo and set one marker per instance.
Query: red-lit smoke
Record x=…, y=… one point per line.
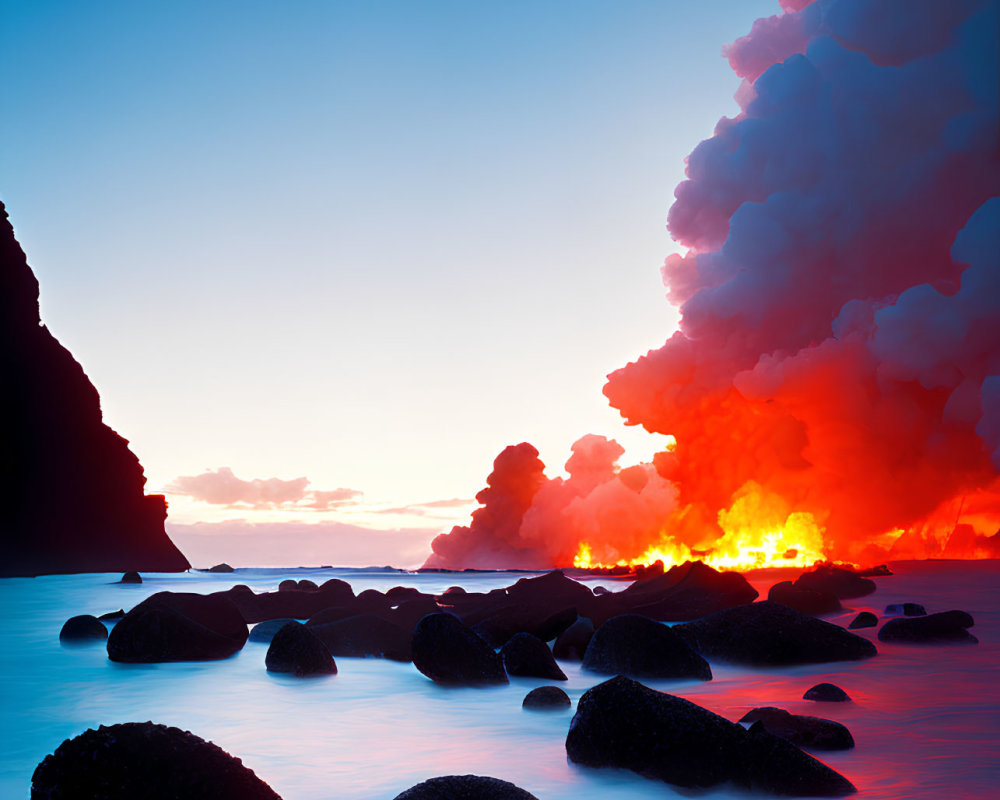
x=838, y=358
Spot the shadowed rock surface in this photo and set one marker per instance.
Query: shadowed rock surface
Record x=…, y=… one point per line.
x=826, y=693
x=297, y=650
x=572, y=643
x=643, y=648
x=144, y=760
x=465, y=787
x=905, y=610
x=83, y=628
x=71, y=492
x=527, y=656
x=131, y=577
x=864, y=619
x=842, y=583
x=546, y=698
x=945, y=627
x=263, y=632
x=814, y=733
x=808, y=601
x=771, y=634
x=447, y=652
x=621, y=723
x=365, y=636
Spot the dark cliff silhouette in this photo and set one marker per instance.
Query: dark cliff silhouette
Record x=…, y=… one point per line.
x=71, y=492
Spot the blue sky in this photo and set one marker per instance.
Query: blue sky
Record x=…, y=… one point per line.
x=368, y=243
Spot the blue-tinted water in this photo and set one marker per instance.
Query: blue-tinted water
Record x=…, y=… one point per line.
x=926, y=720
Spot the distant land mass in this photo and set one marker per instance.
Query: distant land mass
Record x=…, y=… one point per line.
x=71, y=491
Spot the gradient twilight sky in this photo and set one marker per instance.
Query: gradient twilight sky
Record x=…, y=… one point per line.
x=365, y=243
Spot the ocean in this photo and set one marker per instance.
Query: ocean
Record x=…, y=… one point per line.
x=925, y=719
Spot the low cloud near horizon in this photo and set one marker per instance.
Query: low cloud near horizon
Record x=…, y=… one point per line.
x=222, y=487
x=286, y=544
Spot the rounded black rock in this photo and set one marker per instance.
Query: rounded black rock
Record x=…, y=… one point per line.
x=637, y=646
x=826, y=693
x=546, y=698
x=864, y=619
x=297, y=650
x=83, y=628
x=131, y=577
x=527, y=656
x=449, y=653
x=465, y=787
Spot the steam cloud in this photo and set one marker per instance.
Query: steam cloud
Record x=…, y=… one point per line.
x=839, y=346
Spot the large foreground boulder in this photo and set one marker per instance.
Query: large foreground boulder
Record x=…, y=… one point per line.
x=813, y=733
x=946, y=627
x=768, y=634
x=178, y=626
x=144, y=760
x=449, y=653
x=642, y=648
x=621, y=723
x=297, y=650
x=465, y=787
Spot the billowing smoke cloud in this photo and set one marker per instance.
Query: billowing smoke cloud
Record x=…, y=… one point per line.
x=222, y=487
x=840, y=299
x=837, y=367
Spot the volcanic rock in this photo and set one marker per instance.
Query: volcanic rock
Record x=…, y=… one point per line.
x=109, y=615
x=842, y=583
x=263, y=632
x=143, y=760
x=810, y=732
x=178, y=626
x=640, y=647
x=296, y=649
x=572, y=643
x=372, y=601
x=864, y=619
x=465, y=787
x=509, y=620
x=409, y=612
x=527, y=656
x=547, y=698
x=808, y=601
x=768, y=634
x=552, y=591
x=365, y=636
x=131, y=577
x=449, y=653
x=292, y=602
x=621, y=723
x=905, y=610
x=85, y=627
x=945, y=627
x=223, y=567
x=826, y=693
x=71, y=492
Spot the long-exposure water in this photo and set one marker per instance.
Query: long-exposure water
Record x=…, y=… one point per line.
x=926, y=719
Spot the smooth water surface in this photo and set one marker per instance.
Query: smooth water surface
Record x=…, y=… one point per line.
x=926, y=719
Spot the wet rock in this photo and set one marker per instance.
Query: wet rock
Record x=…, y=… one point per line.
x=409, y=612
x=143, y=760
x=509, y=620
x=826, y=693
x=465, y=787
x=572, y=643
x=263, y=632
x=547, y=698
x=292, y=602
x=621, y=723
x=874, y=572
x=449, y=653
x=331, y=614
x=297, y=650
x=842, y=583
x=685, y=592
x=808, y=601
x=864, y=619
x=947, y=627
x=83, y=628
x=223, y=567
x=905, y=610
x=365, y=636
x=372, y=601
x=813, y=733
x=288, y=585
x=527, y=656
x=112, y=615
x=771, y=634
x=306, y=585
x=178, y=626
x=131, y=577
x=642, y=648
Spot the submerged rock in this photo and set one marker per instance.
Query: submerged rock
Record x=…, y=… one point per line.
x=905, y=610
x=864, y=619
x=547, y=698
x=621, y=723
x=771, y=634
x=813, y=733
x=465, y=787
x=947, y=627
x=527, y=656
x=297, y=650
x=826, y=693
x=144, y=760
x=83, y=628
x=449, y=653
x=643, y=648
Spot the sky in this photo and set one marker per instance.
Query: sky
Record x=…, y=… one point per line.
x=325, y=260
